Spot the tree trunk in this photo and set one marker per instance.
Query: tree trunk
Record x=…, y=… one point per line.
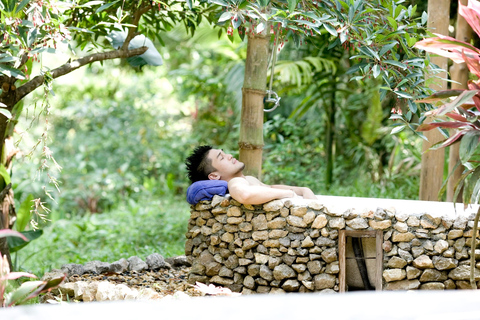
x=253, y=92
x=459, y=73
x=431, y=175
x=330, y=136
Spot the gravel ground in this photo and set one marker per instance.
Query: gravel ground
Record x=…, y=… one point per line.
x=164, y=281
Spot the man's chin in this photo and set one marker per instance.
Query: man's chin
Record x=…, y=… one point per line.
x=241, y=168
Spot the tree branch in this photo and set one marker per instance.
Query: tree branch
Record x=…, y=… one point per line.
x=68, y=67
x=132, y=31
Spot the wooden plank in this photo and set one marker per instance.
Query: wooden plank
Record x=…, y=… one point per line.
x=431, y=174
x=342, y=246
x=379, y=262
x=360, y=233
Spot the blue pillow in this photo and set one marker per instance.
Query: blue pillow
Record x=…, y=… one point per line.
x=205, y=190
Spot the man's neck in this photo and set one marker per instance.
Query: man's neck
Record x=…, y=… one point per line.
x=238, y=175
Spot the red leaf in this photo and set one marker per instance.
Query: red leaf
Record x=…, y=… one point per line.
x=473, y=85
x=473, y=63
x=456, y=116
x=476, y=100
x=16, y=275
x=453, y=139
x=448, y=47
x=11, y=233
x=471, y=13
x=445, y=124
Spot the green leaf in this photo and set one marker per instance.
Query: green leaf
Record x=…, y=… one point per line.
x=105, y=6
x=219, y=2
x=387, y=47
x=292, y=4
x=11, y=72
x=21, y=294
x=4, y=174
x=190, y=4
x=424, y=17
x=8, y=59
x=330, y=29
x=23, y=213
x=263, y=3
x=16, y=244
x=89, y=4
x=369, y=52
x=376, y=70
x=397, y=129
x=396, y=63
x=476, y=191
x=470, y=184
x=468, y=145
x=227, y=15
x=6, y=113
x=393, y=23
x=21, y=6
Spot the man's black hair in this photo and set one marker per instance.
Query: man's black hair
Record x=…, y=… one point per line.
x=198, y=164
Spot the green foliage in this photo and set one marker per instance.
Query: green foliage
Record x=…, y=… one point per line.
x=26, y=291
x=382, y=33
x=149, y=226
x=115, y=141
x=294, y=154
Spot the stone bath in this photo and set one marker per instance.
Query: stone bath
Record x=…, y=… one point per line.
x=297, y=245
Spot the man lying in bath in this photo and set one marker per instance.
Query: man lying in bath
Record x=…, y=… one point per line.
x=206, y=163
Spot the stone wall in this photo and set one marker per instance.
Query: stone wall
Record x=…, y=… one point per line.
x=292, y=245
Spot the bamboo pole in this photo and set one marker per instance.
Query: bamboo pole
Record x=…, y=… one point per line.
x=253, y=92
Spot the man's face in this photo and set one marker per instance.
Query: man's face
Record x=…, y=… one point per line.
x=226, y=166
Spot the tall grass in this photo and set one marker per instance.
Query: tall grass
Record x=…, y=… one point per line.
x=134, y=228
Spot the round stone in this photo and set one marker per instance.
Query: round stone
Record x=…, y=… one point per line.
x=394, y=274
x=283, y=271
x=423, y=262
x=324, y=281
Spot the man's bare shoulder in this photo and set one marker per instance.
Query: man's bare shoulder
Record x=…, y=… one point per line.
x=254, y=181
x=245, y=180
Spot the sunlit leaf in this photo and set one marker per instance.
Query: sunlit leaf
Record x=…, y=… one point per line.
x=397, y=129
x=89, y=4
x=376, y=70
x=219, y=2
x=106, y=6
x=6, y=113
x=227, y=15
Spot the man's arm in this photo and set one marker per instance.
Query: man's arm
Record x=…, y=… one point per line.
x=244, y=192
x=305, y=192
